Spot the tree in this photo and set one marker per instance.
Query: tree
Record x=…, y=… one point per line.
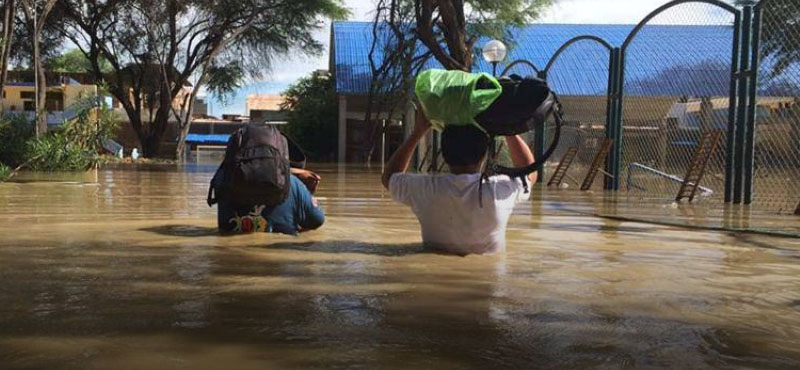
x=9, y=17
x=709, y=77
x=313, y=115
x=37, y=13
x=450, y=28
x=74, y=61
x=157, y=48
x=780, y=33
x=395, y=58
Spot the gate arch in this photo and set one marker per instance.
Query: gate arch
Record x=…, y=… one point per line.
x=580, y=72
x=671, y=93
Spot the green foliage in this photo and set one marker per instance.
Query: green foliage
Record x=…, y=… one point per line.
x=225, y=79
x=55, y=152
x=94, y=124
x=15, y=131
x=313, y=116
x=170, y=42
x=72, y=147
x=74, y=61
x=5, y=172
x=451, y=30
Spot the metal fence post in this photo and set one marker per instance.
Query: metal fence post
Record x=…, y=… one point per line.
x=616, y=150
x=730, y=148
x=539, y=141
x=752, y=74
x=613, y=69
x=741, y=108
x=435, y=139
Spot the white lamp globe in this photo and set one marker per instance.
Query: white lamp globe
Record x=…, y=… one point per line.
x=494, y=51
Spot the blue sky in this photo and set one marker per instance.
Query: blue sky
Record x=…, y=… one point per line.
x=289, y=68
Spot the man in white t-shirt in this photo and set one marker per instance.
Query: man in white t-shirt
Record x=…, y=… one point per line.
x=447, y=206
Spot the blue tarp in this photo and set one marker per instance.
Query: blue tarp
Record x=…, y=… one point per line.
x=207, y=139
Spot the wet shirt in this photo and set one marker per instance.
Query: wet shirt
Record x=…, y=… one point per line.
x=449, y=213
x=296, y=213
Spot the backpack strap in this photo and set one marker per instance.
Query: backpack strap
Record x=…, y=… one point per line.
x=211, y=200
x=518, y=172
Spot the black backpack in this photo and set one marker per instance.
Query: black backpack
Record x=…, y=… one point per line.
x=255, y=170
x=524, y=104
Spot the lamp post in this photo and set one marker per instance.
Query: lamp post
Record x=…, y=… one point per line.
x=494, y=52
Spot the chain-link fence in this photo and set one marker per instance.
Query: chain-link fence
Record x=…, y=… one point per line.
x=777, y=136
x=677, y=81
x=688, y=69
x=580, y=75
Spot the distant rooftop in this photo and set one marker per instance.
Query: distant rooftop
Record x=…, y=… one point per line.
x=267, y=102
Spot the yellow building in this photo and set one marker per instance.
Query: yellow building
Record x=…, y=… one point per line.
x=63, y=92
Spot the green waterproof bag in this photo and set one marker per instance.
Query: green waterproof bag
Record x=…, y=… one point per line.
x=455, y=97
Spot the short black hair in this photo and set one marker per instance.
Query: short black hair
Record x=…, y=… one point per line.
x=463, y=145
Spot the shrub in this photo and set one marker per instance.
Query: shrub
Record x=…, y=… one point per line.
x=15, y=132
x=5, y=172
x=74, y=146
x=93, y=124
x=54, y=152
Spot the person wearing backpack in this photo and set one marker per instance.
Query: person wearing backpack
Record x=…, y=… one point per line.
x=261, y=185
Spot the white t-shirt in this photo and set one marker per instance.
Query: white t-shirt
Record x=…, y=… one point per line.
x=449, y=212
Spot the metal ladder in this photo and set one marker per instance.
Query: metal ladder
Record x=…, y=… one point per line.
x=563, y=166
x=697, y=168
x=599, y=160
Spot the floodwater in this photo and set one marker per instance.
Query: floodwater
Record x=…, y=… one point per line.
x=123, y=269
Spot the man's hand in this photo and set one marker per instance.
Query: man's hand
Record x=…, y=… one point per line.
x=310, y=179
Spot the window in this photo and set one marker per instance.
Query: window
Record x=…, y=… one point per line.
x=54, y=101
x=29, y=106
x=27, y=95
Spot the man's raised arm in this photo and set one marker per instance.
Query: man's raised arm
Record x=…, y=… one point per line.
x=520, y=153
x=399, y=161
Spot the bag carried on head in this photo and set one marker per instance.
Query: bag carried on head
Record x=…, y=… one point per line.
x=255, y=170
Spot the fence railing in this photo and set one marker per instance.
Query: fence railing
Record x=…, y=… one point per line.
x=689, y=67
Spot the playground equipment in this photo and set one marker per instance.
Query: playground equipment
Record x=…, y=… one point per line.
x=697, y=168
x=563, y=166
x=633, y=166
x=599, y=160
x=691, y=182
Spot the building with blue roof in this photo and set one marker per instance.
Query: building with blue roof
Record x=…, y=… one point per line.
x=664, y=63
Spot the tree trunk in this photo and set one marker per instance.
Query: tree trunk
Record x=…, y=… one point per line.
x=41, y=88
x=150, y=145
x=152, y=141
x=8, y=39
x=186, y=123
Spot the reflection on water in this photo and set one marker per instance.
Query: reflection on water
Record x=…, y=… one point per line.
x=123, y=269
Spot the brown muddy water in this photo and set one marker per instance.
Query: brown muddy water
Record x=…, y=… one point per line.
x=124, y=270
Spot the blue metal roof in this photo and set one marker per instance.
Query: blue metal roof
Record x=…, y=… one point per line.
x=661, y=60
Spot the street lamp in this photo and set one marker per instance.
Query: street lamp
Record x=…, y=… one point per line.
x=494, y=52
